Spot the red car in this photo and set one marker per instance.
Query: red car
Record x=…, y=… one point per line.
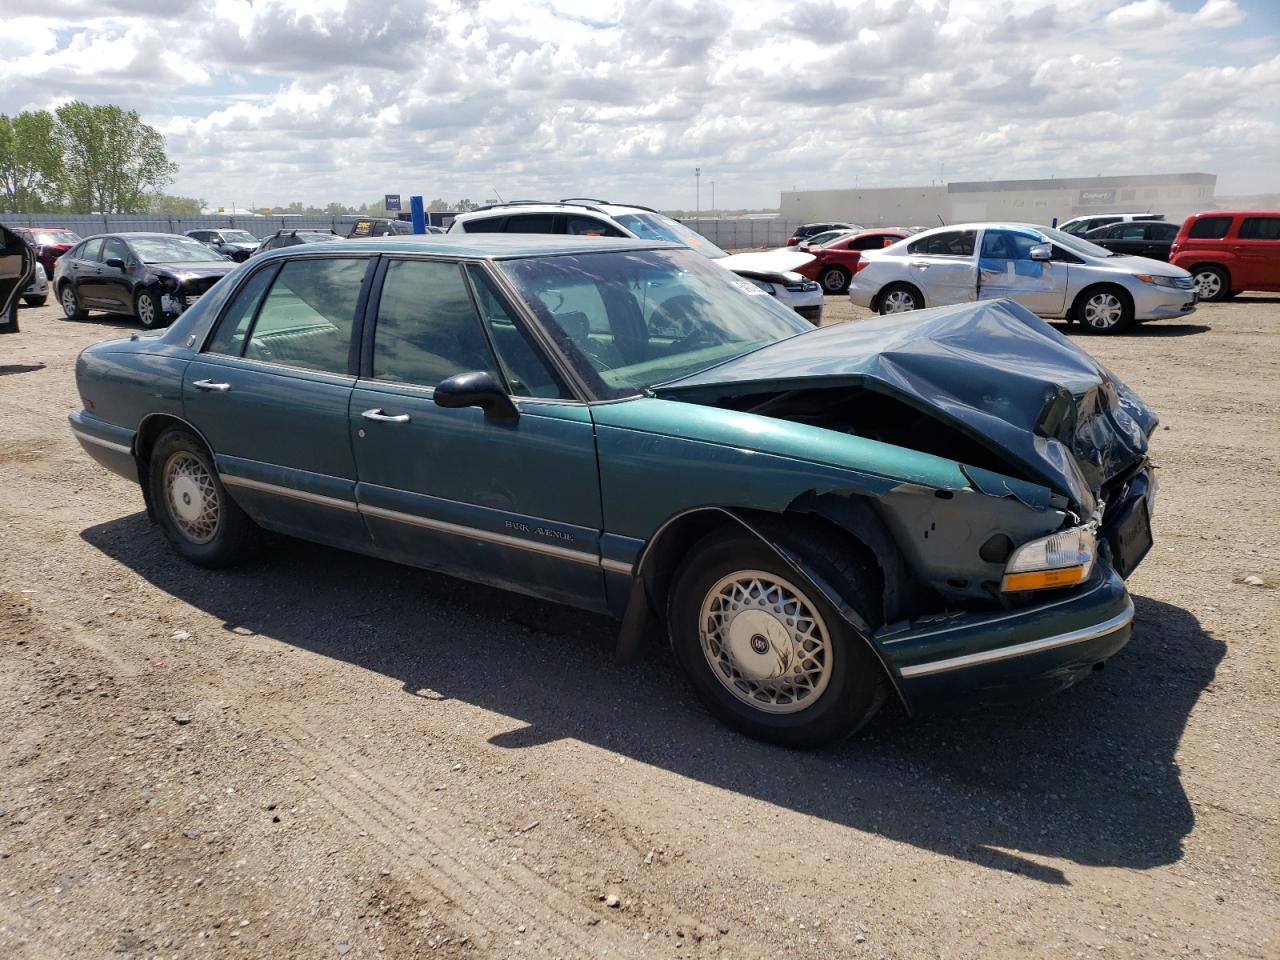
x=834, y=263
x=50, y=243
x=1229, y=251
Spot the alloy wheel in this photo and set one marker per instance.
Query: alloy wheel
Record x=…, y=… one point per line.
x=765, y=642
x=1103, y=311
x=68, y=300
x=146, y=310
x=898, y=301
x=1210, y=284
x=192, y=495
x=834, y=281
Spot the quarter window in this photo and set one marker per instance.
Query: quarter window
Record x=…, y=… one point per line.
x=427, y=327
x=1260, y=228
x=306, y=319
x=951, y=243
x=1210, y=228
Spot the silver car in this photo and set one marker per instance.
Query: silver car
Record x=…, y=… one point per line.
x=1051, y=273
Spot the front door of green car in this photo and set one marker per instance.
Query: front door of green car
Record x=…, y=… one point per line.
x=510, y=500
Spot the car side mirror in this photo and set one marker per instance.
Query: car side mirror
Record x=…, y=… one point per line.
x=115, y=262
x=1042, y=251
x=477, y=389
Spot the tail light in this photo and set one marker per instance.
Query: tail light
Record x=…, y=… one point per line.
x=860, y=264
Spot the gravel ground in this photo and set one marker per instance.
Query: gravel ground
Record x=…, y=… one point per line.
x=321, y=755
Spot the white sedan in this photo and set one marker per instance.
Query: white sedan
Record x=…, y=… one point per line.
x=1051, y=273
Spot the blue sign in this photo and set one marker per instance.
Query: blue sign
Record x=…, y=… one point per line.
x=391, y=201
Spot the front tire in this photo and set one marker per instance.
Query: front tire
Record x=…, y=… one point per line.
x=147, y=309
x=900, y=298
x=70, y=301
x=1213, y=282
x=202, y=523
x=765, y=651
x=1105, y=310
x=36, y=301
x=834, y=279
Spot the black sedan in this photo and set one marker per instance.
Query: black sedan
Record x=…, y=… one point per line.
x=154, y=276
x=239, y=245
x=1137, y=238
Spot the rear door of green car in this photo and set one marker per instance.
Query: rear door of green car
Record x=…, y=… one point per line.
x=513, y=501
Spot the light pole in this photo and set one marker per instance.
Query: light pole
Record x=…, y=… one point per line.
x=697, y=187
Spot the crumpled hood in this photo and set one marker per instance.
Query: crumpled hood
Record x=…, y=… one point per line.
x=766, y=262
x=196, y=269
x=992, y=369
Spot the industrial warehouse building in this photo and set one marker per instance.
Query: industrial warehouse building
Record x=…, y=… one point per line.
x=1176, y=195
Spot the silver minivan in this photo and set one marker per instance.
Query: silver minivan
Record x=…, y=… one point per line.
x=1051, y=273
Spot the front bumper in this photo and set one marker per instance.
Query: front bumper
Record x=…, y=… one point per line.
x=1012, y=654
x=807, y=303
x=1160, y=303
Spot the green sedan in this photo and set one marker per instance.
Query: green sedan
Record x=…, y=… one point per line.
x=818, y=519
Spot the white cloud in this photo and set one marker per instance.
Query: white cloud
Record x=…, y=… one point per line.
x=343, y=99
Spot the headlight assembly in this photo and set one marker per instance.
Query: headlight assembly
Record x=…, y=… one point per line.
x=1060, y=560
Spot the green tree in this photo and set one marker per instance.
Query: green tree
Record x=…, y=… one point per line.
x=169, y=205
x=30, y=161
x=438, y=206
x=111, y=160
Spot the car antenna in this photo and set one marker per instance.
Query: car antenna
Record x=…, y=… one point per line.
x=497, y=194
x=941, y=221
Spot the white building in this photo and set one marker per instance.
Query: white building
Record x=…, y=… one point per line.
x=1176, y=195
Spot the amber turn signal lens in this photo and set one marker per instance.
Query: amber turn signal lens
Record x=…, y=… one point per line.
x=1043, y=579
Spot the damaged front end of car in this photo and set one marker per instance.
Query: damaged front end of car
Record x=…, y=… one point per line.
x=1025, y=557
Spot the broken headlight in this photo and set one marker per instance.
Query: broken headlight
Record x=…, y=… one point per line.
x=1060, y=560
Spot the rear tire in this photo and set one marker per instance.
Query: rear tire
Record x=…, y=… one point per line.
x=834, y=279
x=1104, y=309
x=201, y=522
x=899, y=298
x=765, y=651
x=70, y=301
x=1213, y=282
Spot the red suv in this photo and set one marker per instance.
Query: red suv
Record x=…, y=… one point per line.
x=1229, y=251
x=50, y=243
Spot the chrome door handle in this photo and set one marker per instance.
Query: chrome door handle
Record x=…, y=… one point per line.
x=920, y=266
x=377, y=414
x=208, y=386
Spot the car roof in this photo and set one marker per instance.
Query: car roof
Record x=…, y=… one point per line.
x=1236, y=213
x=569, y=205
x=488, y=246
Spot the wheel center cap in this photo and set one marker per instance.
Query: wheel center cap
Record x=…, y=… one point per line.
x=187, y=501
x=759, y=644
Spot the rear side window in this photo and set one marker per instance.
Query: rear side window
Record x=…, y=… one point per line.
x=1210, y=228
x=228, y=339
x=1260, y=228
x=532, y=223
x=871, y=243
x=1163, y=231
x=306, y=319
x=427, y=328
x=952, y=243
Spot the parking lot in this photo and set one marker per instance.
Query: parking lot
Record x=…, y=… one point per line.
x=326, y=755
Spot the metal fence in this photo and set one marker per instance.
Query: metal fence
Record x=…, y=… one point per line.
x=729, y=234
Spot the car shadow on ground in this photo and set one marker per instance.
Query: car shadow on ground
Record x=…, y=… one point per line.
x=1152, y=329
x=1087, y=776
x=7, y=368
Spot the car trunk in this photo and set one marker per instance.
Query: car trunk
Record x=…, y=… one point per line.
x=986, y=384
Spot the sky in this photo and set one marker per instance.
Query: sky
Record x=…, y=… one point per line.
x=273, y=101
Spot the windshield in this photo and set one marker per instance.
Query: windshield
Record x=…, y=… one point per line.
x=654, y=226
x=172, y=250
x=628, y=321
x=1075, y=244
x=238, y=236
